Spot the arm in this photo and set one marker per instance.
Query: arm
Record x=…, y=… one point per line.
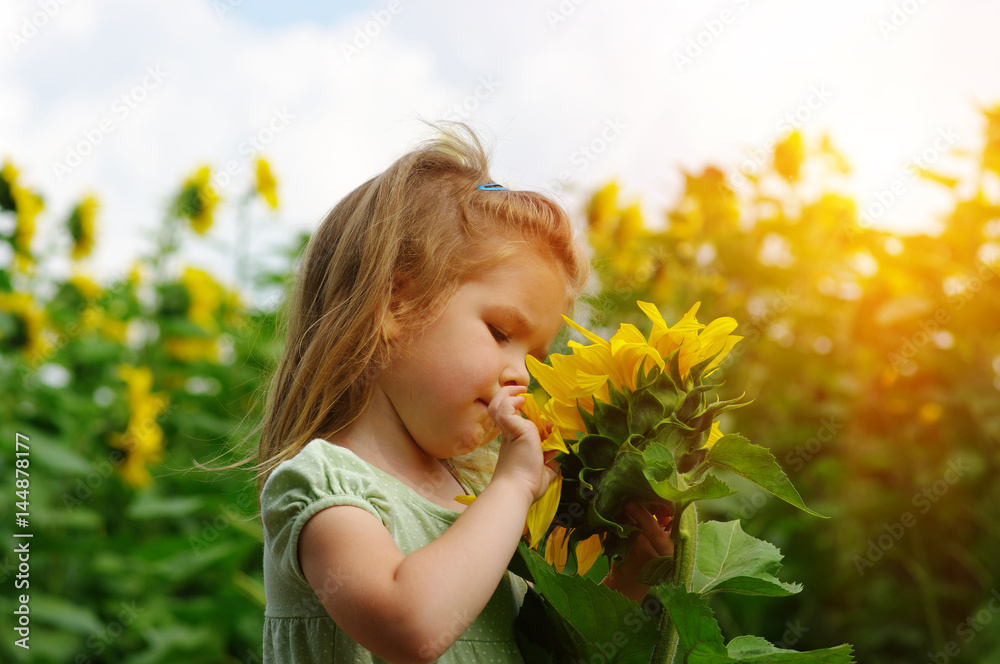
x=412, y=608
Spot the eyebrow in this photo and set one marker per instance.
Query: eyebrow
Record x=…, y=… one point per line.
x=513, y=315
x=516, y=317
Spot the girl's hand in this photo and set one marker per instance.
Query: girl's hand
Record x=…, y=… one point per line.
x=654, y=541
x=521, y=457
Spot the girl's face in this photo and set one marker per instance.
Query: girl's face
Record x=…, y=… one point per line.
x=442, y=377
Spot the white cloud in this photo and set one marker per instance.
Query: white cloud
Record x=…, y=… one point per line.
x=544, y=90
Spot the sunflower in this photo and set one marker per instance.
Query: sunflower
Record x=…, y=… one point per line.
x=143, y=437
x=197, y=200
x=26, y=205
x=24, y=327
x=266, y=184
x=81, y=226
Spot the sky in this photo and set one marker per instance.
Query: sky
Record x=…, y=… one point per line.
x=125, y=98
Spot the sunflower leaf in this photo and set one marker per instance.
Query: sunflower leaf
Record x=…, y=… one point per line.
x=757, y=464
x=644, y=411
x=729, y=560
x=755, y=650
x=586, y=618
x=656, y=571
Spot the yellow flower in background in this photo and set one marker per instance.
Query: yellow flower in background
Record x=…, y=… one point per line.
x=81, y=225
x=135, y=273
x=193, y=349
x=788, y=156
x=601, y=216
x=206, y=296
x=197, y=200
x=26, y=205
x=143, y=437
x=8, y=176
x=24, y=327
x=86, y=286
x=991, y=149
x=266, y=184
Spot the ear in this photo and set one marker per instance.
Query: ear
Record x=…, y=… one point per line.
x=391, y=324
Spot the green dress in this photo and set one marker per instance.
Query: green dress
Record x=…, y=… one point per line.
x=297, y=629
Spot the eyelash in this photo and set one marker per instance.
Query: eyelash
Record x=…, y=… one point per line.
x=498, y=334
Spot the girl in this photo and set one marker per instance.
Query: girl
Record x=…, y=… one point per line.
x=418, y=299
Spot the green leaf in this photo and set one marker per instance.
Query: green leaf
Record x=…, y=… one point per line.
x=644, y=411
x=590, y=621
x=692, y=617
x=709, y=487
x=754, y=650
x=729, y=560
x=65, y=614
x=656, y=571
x=597, y=452
x=610, y=421
x=624, y=481
x=660, y=462
x=758, y=465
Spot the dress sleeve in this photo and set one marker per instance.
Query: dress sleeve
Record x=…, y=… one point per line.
x=321, y=475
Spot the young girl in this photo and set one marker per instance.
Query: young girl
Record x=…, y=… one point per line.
x=418, y=299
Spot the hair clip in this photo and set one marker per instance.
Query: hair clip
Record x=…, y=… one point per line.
x=492, y=187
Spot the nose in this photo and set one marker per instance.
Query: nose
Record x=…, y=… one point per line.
x=515, y=373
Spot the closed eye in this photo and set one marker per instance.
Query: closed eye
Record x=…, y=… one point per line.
x=497, y=333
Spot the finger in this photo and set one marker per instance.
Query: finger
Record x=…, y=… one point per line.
x=659, y=538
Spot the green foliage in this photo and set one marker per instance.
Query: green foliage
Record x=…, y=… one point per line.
x=127, y=567
x=871, y=360
x=582, y=620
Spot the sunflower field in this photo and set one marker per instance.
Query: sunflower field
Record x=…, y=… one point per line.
x=870, y=361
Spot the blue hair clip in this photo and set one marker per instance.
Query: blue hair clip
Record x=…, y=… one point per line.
x=492, y=187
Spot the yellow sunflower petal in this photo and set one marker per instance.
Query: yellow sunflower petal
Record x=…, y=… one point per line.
x=587, y=553
x=543, y=510
x=714, y=435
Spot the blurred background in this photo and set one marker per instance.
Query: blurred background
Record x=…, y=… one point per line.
x=829, y=175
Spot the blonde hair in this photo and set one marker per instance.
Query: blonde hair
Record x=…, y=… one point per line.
x=398, y=245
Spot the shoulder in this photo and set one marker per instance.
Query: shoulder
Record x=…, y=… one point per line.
x=321, y=469
x=321, y=475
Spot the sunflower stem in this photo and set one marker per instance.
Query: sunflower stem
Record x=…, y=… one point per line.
x=685, y=537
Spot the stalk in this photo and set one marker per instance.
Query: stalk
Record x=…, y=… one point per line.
x=685, y=537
